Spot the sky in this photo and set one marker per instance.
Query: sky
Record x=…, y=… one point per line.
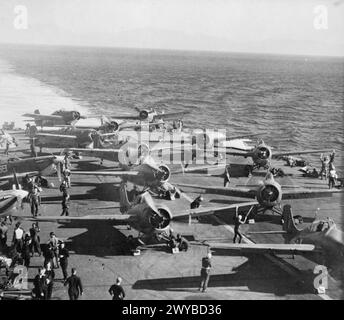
x=309, y=27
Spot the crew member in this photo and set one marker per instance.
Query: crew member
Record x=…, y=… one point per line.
x=54, y=244
x=66, y=161
x=50, y=277
x=332, y=177
x=74, y=286
x=290, y=161
x=324, y=161
x=172, y=243
x=32, y=148
x=48, y=255
x=182, y=243
x=7, y=147
x=331, y=164
x=26, y=250
x=205, y=272
x=227, y=177
x=196, y=203
x=64, y=255
x=35, y=240
x=34, y=199
x=116, y=290
x=66, y=177
x=40, y=285
x=65, y=204
x=27, y=130
x=18, y=238
x=3, y=235
x=237, y=223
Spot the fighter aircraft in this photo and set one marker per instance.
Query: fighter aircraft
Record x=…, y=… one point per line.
x=269, y=193
x=137, y=166
x=143, y=173
x=144, y=215
x=59, y=117
x=320, y=235
x=39, y=166
x=68, y=137
x=262, y=154
x=152, y=115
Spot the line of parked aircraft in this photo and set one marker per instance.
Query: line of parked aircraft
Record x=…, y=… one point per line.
x=106, y=141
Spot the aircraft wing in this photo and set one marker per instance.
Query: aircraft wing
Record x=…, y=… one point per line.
x=171, y=116
x=186, y=170
x=309, y=193
x=104, y=217
x=204, y=211
x=234, y=192
x=243, y=136
x=19, y=175
x=263, y=247
x=42, y=116
x=137, y=126
x=290, y=153
x=106, y=173
x=237, y=152
x=53, y=135
x=128, y=117
x=100, y=153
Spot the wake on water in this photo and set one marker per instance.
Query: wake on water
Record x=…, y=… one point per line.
x=20, y=94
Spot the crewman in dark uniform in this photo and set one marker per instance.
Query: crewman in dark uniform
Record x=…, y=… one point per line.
x=63, y=187
x=7, y=147
x=64, y=255
x=205, y=272
x=48, y=255
x=50, y=277
x=26, y=252
x=116, y=290
x=3, y=235
x=32, y=148
x=237, y=223
x=35, y=240
x=182, y=243
x=65, y=204
x=34, y=197
x=227, y=177
x=74, y=286
x=40, y=285
x=196, y=203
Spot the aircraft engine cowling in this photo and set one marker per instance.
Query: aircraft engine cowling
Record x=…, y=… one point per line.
x=262, y=155
x=165, y=173
x=160, y=222
x=114, y=126
x=143, y=115
x=269, y=194
x=76, y=115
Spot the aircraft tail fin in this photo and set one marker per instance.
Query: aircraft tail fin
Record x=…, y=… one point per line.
x=288, y=220
x=124, y=201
